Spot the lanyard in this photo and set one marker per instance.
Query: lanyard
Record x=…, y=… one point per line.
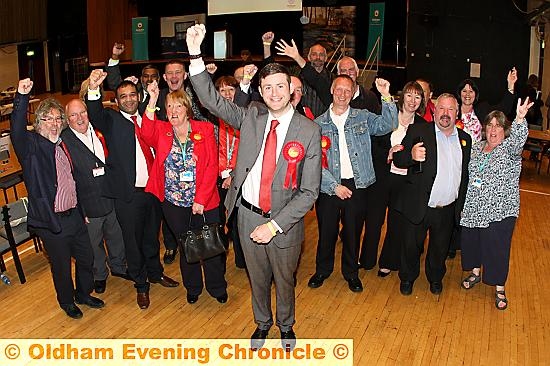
x=93, y=145
x=228, y=148
x=184, y=146
x=485, y=161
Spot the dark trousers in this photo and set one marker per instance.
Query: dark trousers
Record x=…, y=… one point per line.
x=169, y=238
x=180, y=219
x=489, y=248
x=377, y=199
x=232, y=229
x=330, y=210
x=439, y=222
x=72, y=242
x=139, y=220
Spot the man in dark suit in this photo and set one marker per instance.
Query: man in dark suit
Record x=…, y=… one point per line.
x=88, y=150
x=437, y=156
x=275, y=183
x=128, y=163
x=54, y=211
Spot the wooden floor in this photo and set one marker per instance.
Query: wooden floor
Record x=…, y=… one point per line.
x=458, y=327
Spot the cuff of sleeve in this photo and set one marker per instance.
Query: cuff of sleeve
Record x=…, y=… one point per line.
x=277, y=226
x=245, y=87
x=196, y=67
x=388, y=99
x=94, y=94
x=113, y=62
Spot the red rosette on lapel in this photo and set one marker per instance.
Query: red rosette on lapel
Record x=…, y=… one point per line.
x=459, y=124
x=325, y=145
x=196, y=137
x=293, y=152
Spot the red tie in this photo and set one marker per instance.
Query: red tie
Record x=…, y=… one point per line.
x=102, y=141
x=268, y=167
x=144, y=148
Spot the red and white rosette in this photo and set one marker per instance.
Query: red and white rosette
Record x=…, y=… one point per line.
x=459, y=124
x=325, y=145
x=293, y=152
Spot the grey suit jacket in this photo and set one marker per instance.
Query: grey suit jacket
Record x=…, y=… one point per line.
x=288, y=206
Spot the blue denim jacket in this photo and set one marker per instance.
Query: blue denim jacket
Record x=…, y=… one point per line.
x=359, y=125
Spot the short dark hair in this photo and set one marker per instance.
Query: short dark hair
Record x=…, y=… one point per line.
x=226, y=80
x=274, y=68
x=124, y=84
x=150, y=66
x=174, y=62
x=414, y=87
x=502, y=121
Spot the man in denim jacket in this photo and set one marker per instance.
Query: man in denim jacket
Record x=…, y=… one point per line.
x=347, y=172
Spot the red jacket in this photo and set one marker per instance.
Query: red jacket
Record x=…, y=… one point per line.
x=160, y=136
x=222, y=146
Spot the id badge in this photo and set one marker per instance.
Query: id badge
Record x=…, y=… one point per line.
x=99, y=171
x=477, y=182
x=186, y=176
x=225, y=173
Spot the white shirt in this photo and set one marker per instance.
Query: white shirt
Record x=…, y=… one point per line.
x=449, y=169
x=142, y=174
x=251, y=185
x=91, y=141
x=346, y=170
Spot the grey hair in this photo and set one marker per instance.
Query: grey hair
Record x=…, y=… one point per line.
x=44, y=109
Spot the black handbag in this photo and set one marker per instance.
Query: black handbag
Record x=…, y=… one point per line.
x=203, y=243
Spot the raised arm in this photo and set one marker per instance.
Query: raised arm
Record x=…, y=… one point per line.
x=18, y=121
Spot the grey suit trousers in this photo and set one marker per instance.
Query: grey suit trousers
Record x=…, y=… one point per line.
x=264, y=263
x=106, y=228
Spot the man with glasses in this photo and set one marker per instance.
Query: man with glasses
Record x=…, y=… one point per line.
x=88, y=150
x=54, y=212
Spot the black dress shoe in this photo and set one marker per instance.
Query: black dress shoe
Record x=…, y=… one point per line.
x=288, y=340
x=383, y=274
x=99, y=286
x=142, y=300
x=257, y=339
x=165, y=281
x=72, y=311
x=170, y=256
x=436, y=288
x=451, y=254
x=406, y=287
x=194, y=298
x=222, y=299
x=355, y=284
x=316, y=280
x=124, y=275
x=91, y=301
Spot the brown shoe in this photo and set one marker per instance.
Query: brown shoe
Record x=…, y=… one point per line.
x=165, y=281
x=143, y=300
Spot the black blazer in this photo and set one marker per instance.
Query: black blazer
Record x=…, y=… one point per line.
x=36, y=155
x=413, y=203
x=88, y=186
x=119, y=132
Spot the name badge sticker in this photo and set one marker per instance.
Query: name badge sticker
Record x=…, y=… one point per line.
x=99, y=171
x=477, y=182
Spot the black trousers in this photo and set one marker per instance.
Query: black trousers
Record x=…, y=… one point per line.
x=180, y=219
x=72, y=242
x=168, y=237
x=439, y=222
x=139, y=220
x=330, y=210
x=232, y=229
x=489, y=248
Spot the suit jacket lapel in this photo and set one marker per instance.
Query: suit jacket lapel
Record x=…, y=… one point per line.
x=291, y=135
x=80, y=145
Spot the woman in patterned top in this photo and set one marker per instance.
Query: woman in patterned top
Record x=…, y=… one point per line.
x=492, y=201
x=471, y=113
x=183, y=178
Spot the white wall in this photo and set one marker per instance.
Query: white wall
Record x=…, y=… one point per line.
x=9, y=69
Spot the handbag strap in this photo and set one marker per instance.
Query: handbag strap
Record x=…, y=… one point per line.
x=191, y=216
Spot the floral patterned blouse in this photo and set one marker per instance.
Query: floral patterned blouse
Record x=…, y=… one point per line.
x=472, y=125
x=178, y=191
x=493, y=182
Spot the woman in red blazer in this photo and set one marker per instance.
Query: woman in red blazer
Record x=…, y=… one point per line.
x=183, y=177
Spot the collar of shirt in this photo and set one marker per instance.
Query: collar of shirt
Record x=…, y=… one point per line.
x=283, y=119
x=357, y=92
x=128, y=117
x=437, y=129
x=338, y=118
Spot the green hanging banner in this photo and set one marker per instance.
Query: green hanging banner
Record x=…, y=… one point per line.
x=376, y=29
x=140, y=39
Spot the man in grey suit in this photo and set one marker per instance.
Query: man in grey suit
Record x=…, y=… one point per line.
x=275, y=183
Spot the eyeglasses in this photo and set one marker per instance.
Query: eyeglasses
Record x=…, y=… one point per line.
x=75, y=115
x=50, y=119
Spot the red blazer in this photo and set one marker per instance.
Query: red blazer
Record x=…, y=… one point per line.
x=160, y=136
